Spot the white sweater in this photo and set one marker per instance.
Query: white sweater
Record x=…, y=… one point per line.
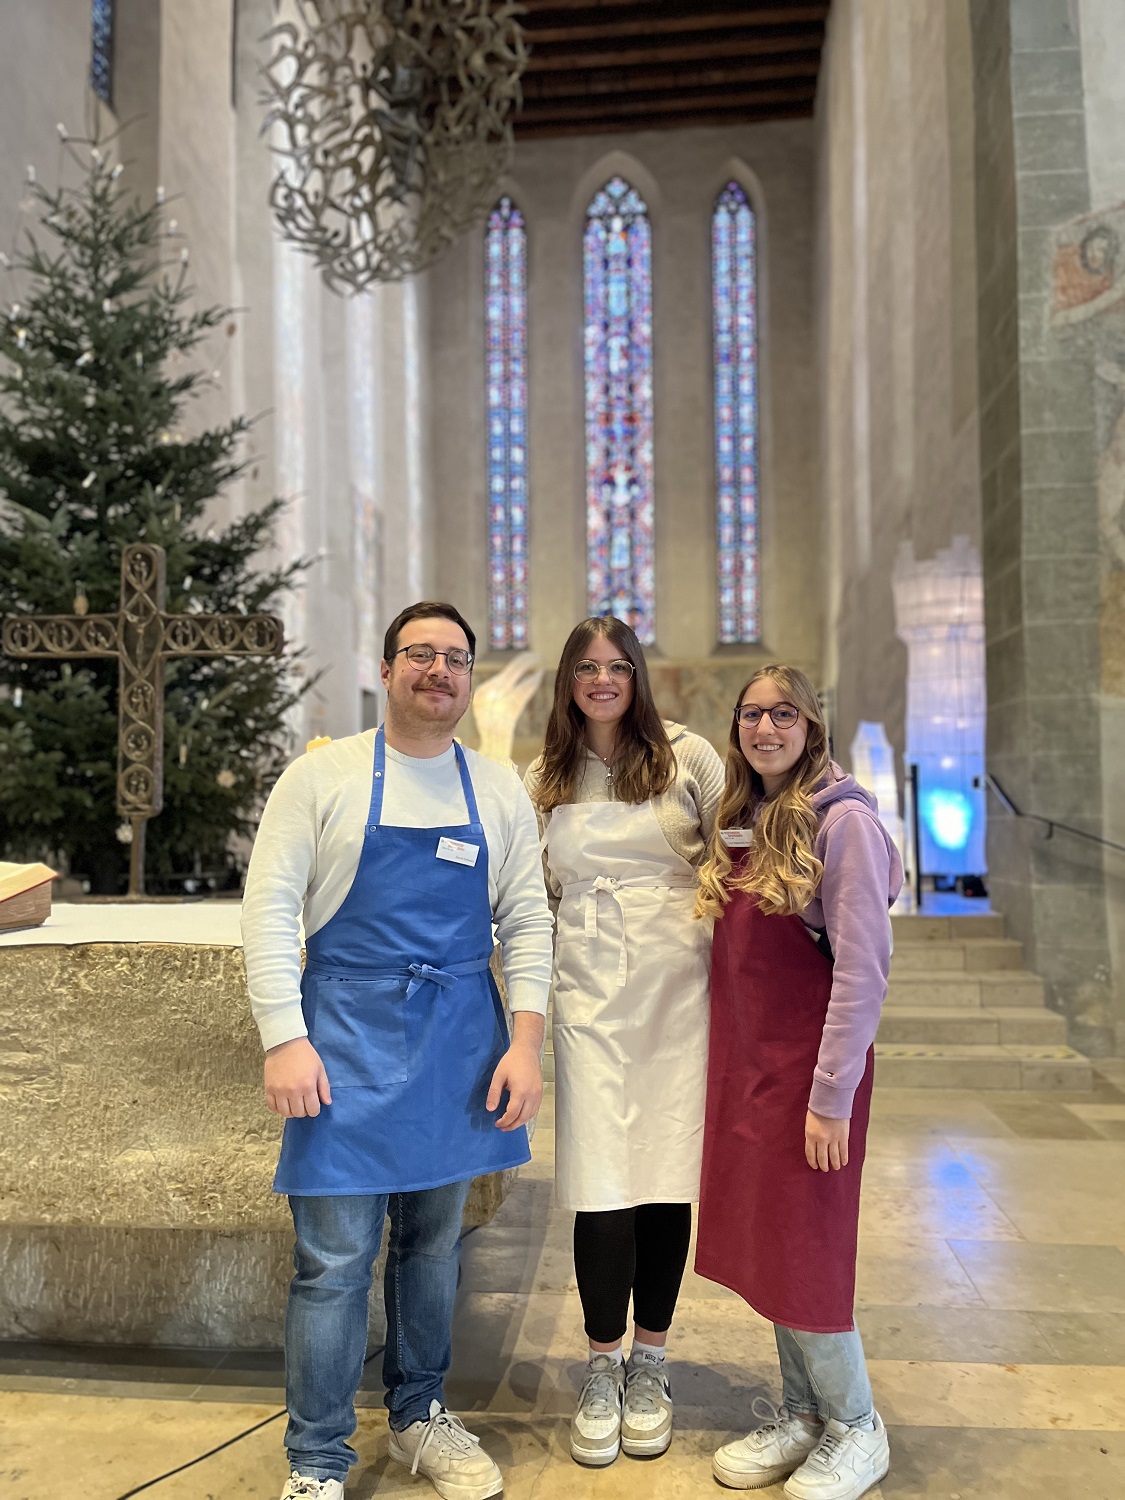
x=307, y=852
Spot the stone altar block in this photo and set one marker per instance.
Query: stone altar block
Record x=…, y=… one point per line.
x=137, y=1153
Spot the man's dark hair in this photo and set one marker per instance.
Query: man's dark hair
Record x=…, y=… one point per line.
x=425, y=609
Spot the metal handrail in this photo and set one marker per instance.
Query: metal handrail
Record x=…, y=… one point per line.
x=1049, y=823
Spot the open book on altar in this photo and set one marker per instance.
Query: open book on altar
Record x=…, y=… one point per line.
x=25, y=895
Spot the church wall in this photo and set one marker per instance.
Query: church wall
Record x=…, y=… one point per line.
x=1050, y=563
x=896, y=318
x=679, y=174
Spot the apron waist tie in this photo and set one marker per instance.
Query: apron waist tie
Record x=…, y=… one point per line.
x=612, y=887
x=417, y=974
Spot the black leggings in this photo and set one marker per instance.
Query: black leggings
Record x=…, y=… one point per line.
x=642, y=1251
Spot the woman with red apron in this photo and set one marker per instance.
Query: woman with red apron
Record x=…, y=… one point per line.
x=799, y=881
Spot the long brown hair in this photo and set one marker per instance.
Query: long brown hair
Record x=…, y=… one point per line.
x=781, y=867
x=644, y=765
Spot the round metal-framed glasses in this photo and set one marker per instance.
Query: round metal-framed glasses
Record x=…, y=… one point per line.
x=458, y=660
x=781, y=715
x=617, y=671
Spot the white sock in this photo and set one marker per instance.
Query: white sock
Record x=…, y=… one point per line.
x=617, y=1355
x=653, y=1353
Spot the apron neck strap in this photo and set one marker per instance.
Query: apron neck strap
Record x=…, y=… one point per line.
x=379, y=777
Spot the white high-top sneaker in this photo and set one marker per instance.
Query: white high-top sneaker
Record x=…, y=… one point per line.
x=448, y=1456
x=595, y=1428
x=770, y=1453
x=300, y=1488
x=845, y=1464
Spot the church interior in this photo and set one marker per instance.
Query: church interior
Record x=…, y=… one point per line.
x=794, y=332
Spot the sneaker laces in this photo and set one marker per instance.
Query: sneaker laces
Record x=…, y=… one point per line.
x=448, y=1434
x=300, y=1487
x=828, y=1450
x=600, y=1391
x=645, y=1388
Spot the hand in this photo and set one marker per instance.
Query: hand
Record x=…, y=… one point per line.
x=296, y=1083
x=826, y=1142
x=519, y=1072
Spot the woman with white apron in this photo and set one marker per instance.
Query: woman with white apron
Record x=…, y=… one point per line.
x=627, y=805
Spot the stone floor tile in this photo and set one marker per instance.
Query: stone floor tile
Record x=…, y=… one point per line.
x=1045, y=1278
x=976, y=1335
x=956, y=1212
x=1062, y=1191
x=912, y=1273
x=1084, y=1338
x=924, y=1393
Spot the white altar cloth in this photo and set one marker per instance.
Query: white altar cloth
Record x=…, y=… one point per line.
x=209, y=923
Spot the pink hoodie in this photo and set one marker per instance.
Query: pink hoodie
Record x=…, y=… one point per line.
x=862, y=877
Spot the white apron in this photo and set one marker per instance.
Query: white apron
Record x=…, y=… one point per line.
x=631, y=1010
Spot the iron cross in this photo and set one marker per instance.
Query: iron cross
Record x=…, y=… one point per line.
x=141, y=635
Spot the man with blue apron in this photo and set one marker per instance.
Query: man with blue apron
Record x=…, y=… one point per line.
x=396, y=1073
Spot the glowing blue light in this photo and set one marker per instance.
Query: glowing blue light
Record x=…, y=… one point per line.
x=948, y=816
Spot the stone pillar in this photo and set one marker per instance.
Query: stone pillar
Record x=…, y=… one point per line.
x=1039, y=505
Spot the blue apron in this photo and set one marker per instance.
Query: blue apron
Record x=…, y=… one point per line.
x=400, y=1005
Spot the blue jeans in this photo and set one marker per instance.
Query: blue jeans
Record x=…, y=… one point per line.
x=825, y=1373
x=338, y=1240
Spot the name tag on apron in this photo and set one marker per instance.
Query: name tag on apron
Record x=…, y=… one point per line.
x=458, y=851
x=737, y=838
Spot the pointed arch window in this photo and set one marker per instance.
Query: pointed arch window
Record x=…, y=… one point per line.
x=617, y=258
x=101, y=55
x=735, y=326
x=506, y=334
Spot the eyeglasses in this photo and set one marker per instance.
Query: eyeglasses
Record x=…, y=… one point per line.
x=781, y=715
x=617, y=671
x=458, y=660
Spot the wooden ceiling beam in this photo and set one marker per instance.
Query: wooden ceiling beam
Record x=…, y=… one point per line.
x=658, y=121
x=656, y=24
x=750, y=12
x=684, y=102
x=579, y=85
x=725, y=47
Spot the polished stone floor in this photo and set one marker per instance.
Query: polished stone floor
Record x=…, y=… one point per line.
x=991, y=1298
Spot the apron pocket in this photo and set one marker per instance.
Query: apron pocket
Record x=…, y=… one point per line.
x=359, y=1028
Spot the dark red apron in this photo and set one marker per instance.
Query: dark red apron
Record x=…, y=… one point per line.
x=778, y=1233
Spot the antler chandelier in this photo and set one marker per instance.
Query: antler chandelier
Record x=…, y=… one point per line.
x=393, y=118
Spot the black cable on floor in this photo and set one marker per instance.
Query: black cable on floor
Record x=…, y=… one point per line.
x=230, y=1442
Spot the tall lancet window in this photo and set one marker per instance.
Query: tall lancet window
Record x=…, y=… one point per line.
x=506, y=324
x=734, y=290
x=101, y=57
x=619, y=491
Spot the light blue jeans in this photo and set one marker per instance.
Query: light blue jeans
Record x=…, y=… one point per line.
x=825, y=1373
x=338, y=1240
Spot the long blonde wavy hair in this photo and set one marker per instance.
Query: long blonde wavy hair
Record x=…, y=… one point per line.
x=781, y=866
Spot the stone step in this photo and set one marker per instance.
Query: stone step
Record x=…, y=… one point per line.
x=972, y=955
x=923, y=929
x=1013, y=1066
x=1001, y=987
x=944, y=1025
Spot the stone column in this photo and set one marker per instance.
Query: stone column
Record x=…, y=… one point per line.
x=1041, y=556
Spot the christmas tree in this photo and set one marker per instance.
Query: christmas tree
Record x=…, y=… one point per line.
x=94, y=390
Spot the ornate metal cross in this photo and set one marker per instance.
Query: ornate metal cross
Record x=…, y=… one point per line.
x=142, y=636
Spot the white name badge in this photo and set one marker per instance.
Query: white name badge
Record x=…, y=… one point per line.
x=737, y=838
x=459, y=852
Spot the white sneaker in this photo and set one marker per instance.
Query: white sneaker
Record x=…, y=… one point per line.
x=646, y=1421
x=448, y=1456
x=595, y=1428
x=768, y=1454
x=299, y=1488
x=844, y=1464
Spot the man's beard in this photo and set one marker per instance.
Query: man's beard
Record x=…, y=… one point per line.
x=440, y=712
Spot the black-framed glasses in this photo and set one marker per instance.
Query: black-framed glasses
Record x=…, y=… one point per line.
x=458, y=660
x=781, y=715
x=617, y=671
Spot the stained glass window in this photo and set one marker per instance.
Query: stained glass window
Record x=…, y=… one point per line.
x=101, y=65
x=506, y=332
x=617, y=257
x=734, y=290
